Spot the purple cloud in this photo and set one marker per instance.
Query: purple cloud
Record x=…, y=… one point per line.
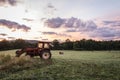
x=3, y=34
x=8, y=2
x=105, y=33
x=72, y=23
x=13, y=25
x=109, y=22
x=109, y=29
x=54, y=22
x=112, y=23
x=50, y=33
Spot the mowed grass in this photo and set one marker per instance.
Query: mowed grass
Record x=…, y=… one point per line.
x=89, y=55
x=78, y=55
x=72, y=65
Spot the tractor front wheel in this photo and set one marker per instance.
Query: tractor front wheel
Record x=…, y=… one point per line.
x=45, y=55
x=18, y=53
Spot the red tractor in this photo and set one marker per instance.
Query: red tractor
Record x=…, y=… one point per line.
x=43, y=50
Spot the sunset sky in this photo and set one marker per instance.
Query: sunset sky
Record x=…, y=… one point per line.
x=60, y=19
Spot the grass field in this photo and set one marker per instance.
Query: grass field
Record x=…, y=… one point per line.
x=72, y=65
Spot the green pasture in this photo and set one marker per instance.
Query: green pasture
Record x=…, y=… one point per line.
x=72, y=65
x=79, y=55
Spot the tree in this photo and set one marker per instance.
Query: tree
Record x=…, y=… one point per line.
x=77, y=45
x=19, y=43
x=56, y=44
x=67, y=45
x=5, y=45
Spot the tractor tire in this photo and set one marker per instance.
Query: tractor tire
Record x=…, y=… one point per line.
x=17, y=53
x=45, y=55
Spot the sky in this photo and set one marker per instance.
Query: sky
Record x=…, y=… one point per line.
x=60, y=19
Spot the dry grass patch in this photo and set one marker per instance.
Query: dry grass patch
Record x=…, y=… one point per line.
x=7, y=62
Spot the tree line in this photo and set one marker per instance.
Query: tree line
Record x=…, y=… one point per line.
x=17, y=44
x=67, y=45
x=86, y=45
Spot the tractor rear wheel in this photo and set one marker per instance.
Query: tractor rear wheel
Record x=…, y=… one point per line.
x=45, y=55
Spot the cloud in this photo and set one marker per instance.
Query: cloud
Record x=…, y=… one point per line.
x=58, y=34
x=109, y=22
x=2, y=39
x=71, y=23
x=37, y=37
x=42, y=19
x=54, y=22
x=28, y=20
x=71, y=30
x=105, y=33
x=49, y=5
x=105, y=30
x=13, y=25
x=108, y=28
x=63, y=34
x=112, y=23
x=3, y=34
x=49, y=33
x=49, y=9
x=45, y=39
x=9, y=2
x=12, y=38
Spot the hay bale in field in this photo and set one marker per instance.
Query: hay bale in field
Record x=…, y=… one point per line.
x=61, y=53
